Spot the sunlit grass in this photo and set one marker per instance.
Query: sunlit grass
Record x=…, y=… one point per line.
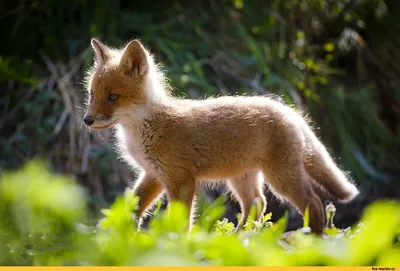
x=44, y=221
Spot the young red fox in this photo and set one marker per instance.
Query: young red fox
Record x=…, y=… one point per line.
x=179, y=143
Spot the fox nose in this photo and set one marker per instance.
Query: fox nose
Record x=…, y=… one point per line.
x=88, y=120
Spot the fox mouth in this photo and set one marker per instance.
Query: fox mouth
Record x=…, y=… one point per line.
x=101, y=127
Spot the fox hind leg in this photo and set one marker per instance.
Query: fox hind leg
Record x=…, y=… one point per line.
x=294, y=185
x=246, y=188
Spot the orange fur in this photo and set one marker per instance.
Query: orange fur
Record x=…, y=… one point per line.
x=179, y=143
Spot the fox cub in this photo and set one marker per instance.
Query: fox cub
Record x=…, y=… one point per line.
x=179, y=143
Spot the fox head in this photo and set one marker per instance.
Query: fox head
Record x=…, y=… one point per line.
x=117, y=84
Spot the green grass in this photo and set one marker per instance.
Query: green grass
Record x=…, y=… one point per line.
x=44, y=221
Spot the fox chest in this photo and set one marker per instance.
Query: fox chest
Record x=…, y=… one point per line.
x=142, y=153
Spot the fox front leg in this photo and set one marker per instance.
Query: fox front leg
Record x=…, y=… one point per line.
x=148, y=189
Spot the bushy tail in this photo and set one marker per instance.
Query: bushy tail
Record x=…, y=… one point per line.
x=324, y=171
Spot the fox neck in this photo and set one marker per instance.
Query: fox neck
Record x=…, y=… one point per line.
x=156, y=100
x=155, y=89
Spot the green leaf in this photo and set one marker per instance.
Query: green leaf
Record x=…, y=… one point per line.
x=329, y=47
x=267, y=217
x=306, y=217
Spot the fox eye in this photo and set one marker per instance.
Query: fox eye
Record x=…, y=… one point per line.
x=91, y=96
x=113, y=97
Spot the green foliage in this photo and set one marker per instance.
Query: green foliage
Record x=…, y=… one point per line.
x=44, y=221
x=224, y=227
x=254, y=225
x=39, y=213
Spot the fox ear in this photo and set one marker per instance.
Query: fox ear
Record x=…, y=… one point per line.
x=101, y=51
x=134, y=59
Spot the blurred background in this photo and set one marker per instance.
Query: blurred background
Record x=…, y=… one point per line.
x=337, y=60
